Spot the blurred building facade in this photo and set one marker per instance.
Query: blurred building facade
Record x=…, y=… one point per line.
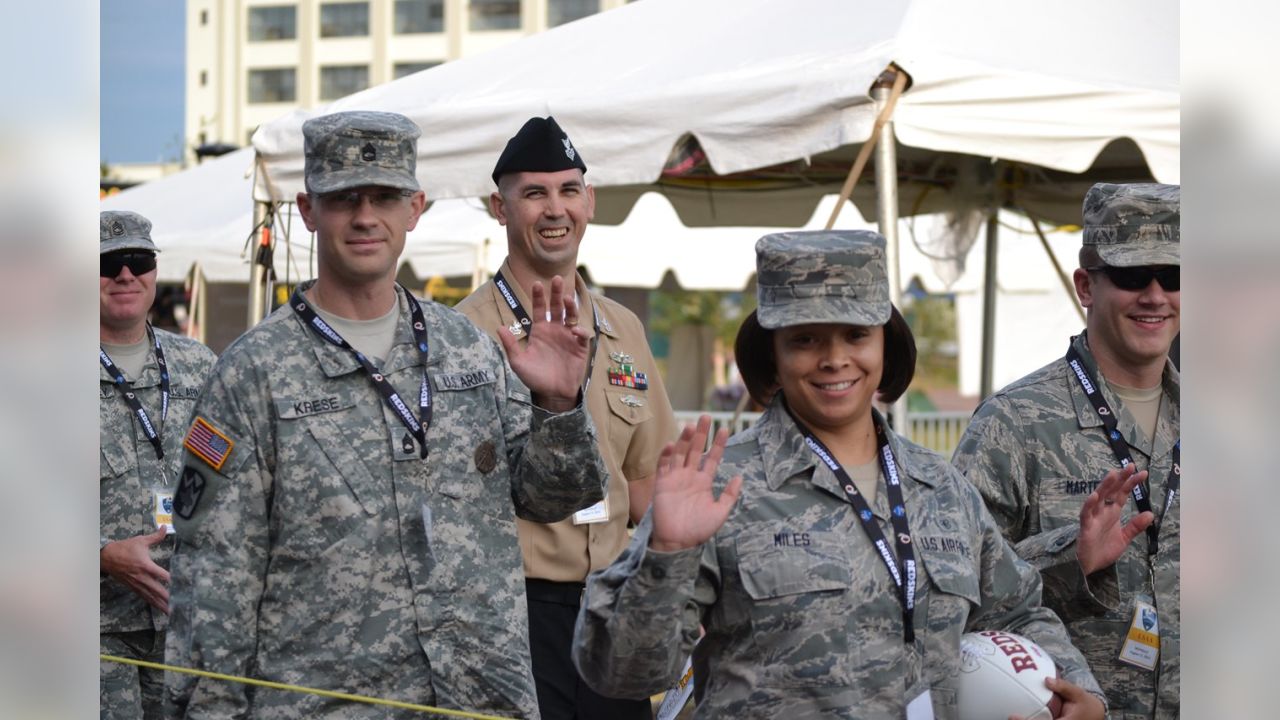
x=250, y=61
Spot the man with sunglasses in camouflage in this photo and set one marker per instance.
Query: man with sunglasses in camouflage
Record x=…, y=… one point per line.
x=148, y=381
x=1038, y=449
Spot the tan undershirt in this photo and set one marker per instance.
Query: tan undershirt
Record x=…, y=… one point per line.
x=371, y=337
x=866, y=477
x=1143, y=404
x=130, y=358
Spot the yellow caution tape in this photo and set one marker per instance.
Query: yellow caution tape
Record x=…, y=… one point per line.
x=301, y=689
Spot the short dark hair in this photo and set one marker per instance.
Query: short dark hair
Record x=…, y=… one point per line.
x=753, y=352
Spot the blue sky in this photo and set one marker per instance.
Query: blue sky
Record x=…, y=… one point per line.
x=142, y=79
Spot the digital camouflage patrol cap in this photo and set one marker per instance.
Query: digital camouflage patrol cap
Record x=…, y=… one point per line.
x=124, y=230
x=822, y=276
x=540, y=146
x=353, y=149
x=1135, y=224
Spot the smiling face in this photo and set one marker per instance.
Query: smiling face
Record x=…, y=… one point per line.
x=123, y=304
x=546, y=215
x=359, y=242
x=1130, y=331
x=829, y=372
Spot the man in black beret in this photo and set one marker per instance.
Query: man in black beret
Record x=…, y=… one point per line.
x=545, y=204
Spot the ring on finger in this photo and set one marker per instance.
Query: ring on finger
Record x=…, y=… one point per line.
x=1109, y=501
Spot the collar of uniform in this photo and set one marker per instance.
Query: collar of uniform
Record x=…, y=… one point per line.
x=335, y=361
x=786, y=455
x=509, y=317
x=150, y=376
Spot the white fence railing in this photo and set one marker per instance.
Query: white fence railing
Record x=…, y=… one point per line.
x=938, y=431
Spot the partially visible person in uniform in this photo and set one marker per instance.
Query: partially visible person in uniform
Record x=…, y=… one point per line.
x=545, y=204
x=147, y=388
x=347, y=512
x=1037, y=448
x=839, y=565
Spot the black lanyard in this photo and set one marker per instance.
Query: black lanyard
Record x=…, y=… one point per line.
x=131, y=398
x=389, y=394
x=905, y=576
x=1120, y=448
x=522, y=316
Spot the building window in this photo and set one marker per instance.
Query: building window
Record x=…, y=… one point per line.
x=273, y=22
x=273, y=85
x=560, y=12
x=409, y=68
x=495, y=15
x=341, y=80
x=419, y=16
x=204, y=17
x=204, y=78
x=344, y=19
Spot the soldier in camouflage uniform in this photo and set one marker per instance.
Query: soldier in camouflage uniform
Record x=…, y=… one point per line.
x=1036, y=449
x=346, y=514
x=161, y=373
x=803, y=616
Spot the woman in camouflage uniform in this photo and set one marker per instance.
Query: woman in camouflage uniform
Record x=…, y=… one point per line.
x=840, y=564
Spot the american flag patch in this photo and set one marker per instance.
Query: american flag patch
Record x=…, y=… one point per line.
x=208, y=443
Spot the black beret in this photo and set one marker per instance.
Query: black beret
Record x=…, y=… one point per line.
x=540, y=146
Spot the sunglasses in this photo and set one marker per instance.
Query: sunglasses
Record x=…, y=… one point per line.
x=139, y=263
x=1138, y=278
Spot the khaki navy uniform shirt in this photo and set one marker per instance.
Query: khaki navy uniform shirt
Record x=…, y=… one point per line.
x=633, y=425
x=801, y=615
x=326, y=552
x=130, y=472
x=1035, y=450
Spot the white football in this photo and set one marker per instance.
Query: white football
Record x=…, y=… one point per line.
x=1002, y=674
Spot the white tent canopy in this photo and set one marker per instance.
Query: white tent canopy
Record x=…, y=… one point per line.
x=757, y=83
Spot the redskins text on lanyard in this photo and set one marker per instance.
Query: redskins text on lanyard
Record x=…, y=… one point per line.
x=904, y=578
x=388, y=393
x=131, y=398
x=1121, y=449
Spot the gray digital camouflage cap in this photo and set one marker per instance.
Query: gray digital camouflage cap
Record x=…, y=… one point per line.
x=822, y=276
x=353, y=149
x=123, y=230
x=1135, y=224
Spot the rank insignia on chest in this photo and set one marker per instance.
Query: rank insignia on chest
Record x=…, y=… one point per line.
x=515, y=329
x=625, y=375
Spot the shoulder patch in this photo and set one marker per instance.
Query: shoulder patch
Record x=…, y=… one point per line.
x=208, y=443
x=190, y=489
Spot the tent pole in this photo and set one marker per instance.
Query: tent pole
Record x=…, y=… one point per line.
x=887, y=210
x=989, y=304
x=257, y=271
x=1057, y=267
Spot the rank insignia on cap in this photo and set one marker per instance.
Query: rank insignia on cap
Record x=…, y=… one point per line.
x=368, y=153
x=117, y=228
x=208, y=443
x=568, y=148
